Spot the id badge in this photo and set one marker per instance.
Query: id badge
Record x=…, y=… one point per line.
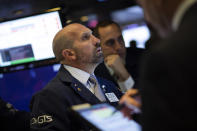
x=111, y=97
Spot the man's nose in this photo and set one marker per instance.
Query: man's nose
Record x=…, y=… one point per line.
x=96, y=41
x=117, y=45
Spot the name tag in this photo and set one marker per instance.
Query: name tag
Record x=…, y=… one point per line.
x=111, y=97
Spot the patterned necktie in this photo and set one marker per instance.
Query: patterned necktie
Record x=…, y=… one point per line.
x=94, y=87
x=92, y=83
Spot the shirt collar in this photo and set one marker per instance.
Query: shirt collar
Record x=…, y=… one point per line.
x=185, y=5
x=78, y=74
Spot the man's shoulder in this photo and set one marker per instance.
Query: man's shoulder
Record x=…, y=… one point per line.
x=55, y=87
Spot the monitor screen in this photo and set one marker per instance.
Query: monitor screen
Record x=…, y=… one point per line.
x=28, y=39
x=105, y=117
x=139, y=33
x=18, y=87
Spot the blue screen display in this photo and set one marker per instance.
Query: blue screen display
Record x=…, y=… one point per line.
x=18, y=87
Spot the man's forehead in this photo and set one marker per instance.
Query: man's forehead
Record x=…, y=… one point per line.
x=109, y=30
x=73, y=25
x=77, y=29
x=85, y=31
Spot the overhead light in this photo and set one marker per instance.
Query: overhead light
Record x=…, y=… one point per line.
x=84, y=18
x=2, y=19
x=18, y=12
x=53, y=9
x=68, y=21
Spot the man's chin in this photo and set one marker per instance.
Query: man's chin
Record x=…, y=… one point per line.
x=99, y=59
x=100, y=55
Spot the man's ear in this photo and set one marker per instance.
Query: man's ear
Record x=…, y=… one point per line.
x=69, y=54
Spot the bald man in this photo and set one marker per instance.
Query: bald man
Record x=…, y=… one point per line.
x=168, y=73
x=79, y=53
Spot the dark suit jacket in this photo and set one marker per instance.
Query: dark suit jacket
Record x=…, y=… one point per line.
x=168, y=80
x=132, y=65
x=50, y=107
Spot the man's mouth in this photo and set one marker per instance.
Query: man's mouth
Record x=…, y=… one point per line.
x=98, y=50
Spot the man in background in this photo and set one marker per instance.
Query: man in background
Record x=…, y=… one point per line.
x=119, y=66
x=168, y=73
x=79, y=53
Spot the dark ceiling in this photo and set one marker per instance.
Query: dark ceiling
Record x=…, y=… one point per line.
x=10, y=9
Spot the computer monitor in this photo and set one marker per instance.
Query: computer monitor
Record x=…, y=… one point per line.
x=18, y=87
x=138, y=32
x=28, y=39
x=133, y=25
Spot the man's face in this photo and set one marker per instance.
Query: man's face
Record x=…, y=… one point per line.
x=87, y=46
x=112, y=41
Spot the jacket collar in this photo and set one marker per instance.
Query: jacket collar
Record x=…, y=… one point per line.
x=78, y=87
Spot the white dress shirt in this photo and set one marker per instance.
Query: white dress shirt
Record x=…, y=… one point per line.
x=78, y=74
x=125, y=85
x=83, y=77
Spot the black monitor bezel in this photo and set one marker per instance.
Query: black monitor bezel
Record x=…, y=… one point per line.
x=37, y=63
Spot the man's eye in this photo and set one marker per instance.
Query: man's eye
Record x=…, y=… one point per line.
x=110, y=43
x=121, y=40
x=86, y=37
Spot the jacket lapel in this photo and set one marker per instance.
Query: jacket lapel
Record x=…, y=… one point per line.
x=84, y=92
x=78, y=87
